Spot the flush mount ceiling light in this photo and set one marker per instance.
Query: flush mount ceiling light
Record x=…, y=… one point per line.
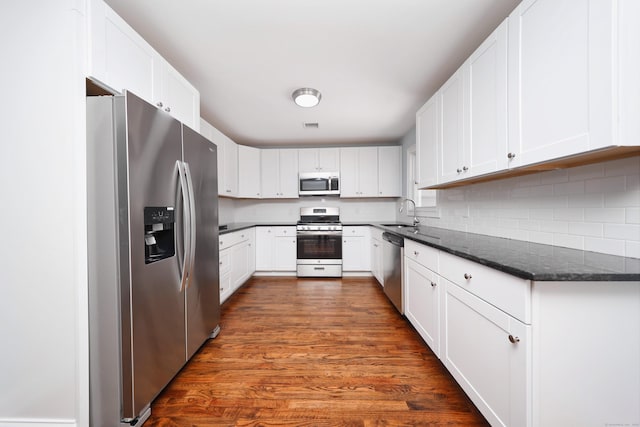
x=306, y=97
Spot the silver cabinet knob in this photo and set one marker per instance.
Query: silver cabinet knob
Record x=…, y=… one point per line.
x=168, y=109
x=513, y=339
x=459, y=170
x=467, y=276
x=159, y=104
x=416, y=253
x=433, y=284
x=511, y=156
x=221, y=242
x=464, y=168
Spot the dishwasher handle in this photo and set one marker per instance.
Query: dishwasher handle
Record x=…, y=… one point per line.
x=393, y=239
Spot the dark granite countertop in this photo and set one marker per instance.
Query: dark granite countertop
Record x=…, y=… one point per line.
x=532, y=261
x=236, y=226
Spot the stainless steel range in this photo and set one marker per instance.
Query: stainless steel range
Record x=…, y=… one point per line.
x=319, y=236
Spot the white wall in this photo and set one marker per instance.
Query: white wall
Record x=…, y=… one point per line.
x=288, y=210
x=43, y=279
x=594, y=208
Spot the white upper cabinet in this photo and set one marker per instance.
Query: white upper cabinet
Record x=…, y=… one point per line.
x=279, y=173
x=450, y=147
x=427, y=138
x=227, y=159
x=562, y=78
x=359, y=172
x=390, y=171
x=485, y=142
x=119, y=59
x=248, y=170
x=318, y=160
x=178, y=97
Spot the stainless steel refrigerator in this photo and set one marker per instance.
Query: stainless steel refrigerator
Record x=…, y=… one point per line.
x=153, y=253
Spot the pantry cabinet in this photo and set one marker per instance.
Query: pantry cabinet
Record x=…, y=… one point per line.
x=279, y=173
x=356, y=253
x=318, y=160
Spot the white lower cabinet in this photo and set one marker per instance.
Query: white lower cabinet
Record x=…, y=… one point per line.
x=422, y=302
x=376, y=255
x=488, y=353
x=237, y=260
x=356, y=249
x=276, y=249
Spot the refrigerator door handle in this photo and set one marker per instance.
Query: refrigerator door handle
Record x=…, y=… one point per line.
x=187, y=225
x=192, y=219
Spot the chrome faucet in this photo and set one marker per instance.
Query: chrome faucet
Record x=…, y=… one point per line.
x=416, y=221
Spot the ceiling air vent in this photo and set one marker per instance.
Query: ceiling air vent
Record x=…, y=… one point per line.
x=310, y=125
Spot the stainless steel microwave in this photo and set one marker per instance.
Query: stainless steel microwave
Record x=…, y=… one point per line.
x=319, y=184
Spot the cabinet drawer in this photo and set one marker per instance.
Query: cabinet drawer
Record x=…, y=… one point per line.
x=230, y=239
x=283, y=231
x=422, y=254
x=355, y=231
x=225, y=262
x=376, y=233
x=508, y=293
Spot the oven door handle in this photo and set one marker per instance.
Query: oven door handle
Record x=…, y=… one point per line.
x=319, y=233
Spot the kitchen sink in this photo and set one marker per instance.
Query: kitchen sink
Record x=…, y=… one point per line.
x=400, y=226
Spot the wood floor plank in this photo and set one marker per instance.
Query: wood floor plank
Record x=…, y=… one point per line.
x=313, y=352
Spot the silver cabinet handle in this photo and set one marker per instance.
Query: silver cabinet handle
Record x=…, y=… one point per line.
x=433, y=284
x=513, y=339
x=511, y=155
x=467, y=276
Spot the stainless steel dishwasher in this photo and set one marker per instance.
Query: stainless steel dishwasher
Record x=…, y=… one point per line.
x=393, y=262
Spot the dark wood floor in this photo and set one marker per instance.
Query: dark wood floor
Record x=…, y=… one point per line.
x=312, y=352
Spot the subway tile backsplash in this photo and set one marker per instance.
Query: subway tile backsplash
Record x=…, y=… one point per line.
x=594, y=208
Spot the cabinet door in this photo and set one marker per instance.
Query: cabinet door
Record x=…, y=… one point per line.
x=368, y=171
x=349, y=172
x=248, y=172
x=389, y=171
x=450, y=145
x=376, y=260
x=485, y=148
x=427, y=139
x=328, y=159
x=178, y=97
x=225, y=287
x=239, y=264
x=560, y=78
x=356, y=249
x=264, y=248
x=118, y=57
x=288, y=168
x=230, y=169
x=307, y=160
x=269, y=174
x=284, y=257
x=422, y=302
x=478, y=351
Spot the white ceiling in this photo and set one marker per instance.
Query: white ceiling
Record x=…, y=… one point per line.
x=374, y=61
